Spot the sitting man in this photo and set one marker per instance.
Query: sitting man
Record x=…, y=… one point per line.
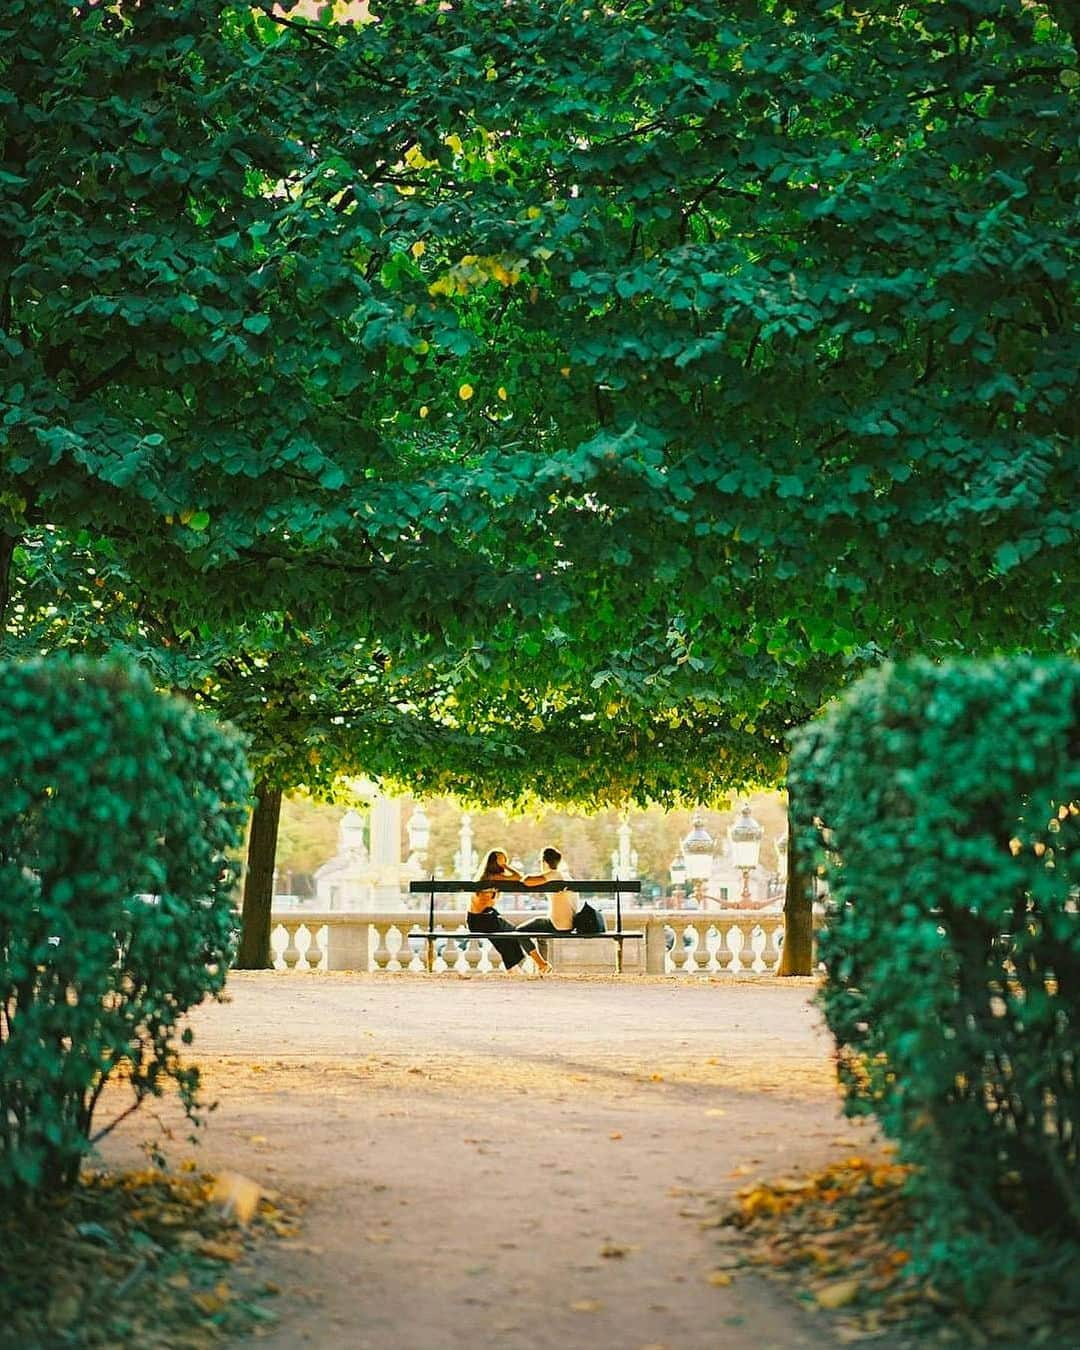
x=563, y=903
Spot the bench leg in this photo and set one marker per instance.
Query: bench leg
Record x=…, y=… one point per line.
x=618, y=956
x=429, y=960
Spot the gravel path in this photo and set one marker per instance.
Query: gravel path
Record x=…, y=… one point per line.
x=511, y=1163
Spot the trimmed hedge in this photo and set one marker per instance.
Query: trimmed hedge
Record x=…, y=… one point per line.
x=942, y=804
x=117, y=809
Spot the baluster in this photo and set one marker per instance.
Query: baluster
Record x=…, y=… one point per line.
x=682, y=953
x=410, y=959
x=723, y=946
x=279, y=940
x=383, y=953
x=451, y=955
x=494, y=960
x=303, y=945
x=736, y=942
x=757, y=948
x=291, y=954
x=685, y=944
x=776, y=945
x=398, y=945
x=314, y=953
x=474, y=954
x=324, y=946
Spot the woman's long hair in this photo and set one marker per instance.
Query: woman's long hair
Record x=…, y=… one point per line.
x=492, y=867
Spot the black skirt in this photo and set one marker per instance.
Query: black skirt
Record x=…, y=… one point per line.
x=512, y=950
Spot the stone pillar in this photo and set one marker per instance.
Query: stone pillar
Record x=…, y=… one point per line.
x=349, y=945
x=655, y=947
x=386, y=852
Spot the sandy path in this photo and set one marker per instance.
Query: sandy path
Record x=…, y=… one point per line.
x=468, y=1148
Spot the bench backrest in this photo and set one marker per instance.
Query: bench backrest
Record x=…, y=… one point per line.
x=431, y=887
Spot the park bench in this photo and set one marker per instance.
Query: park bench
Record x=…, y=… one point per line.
x=618, y=934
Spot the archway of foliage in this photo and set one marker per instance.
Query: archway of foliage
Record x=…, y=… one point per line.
x=617, y=358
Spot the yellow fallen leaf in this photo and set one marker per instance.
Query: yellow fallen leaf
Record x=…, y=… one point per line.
x=220, y=1251
x=838, y=1295
x=237, y=1196
x=656, y=1078
x=716, y=1111
x=379, y=1237
x=615, y=1134
x=720, y=1278
x=790, y=1185
x=584, y=1305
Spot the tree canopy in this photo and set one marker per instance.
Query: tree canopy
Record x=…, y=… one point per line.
x=641, y=371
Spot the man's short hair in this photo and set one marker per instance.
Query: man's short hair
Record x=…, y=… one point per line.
x=552, y=857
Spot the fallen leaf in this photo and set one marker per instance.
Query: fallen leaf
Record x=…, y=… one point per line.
x=218, y=1250
x=716, y=1111
x=586, y=1305
x=613, y=1249
x=208, y=1303
x=720, y=1278
x=790, y=1185
x=236, y=1196
x=615, y=1134
x=838, y=1295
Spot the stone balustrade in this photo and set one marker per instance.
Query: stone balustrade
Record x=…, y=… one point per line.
x=675, y=943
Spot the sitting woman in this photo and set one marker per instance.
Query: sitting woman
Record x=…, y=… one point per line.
x=484, y=918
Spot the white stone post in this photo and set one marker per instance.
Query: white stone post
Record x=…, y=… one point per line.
x=655, y=947
x=349, y=944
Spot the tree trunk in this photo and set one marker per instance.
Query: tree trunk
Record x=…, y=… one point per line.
x=254, y=953
x=7, y=552
x=797, y=957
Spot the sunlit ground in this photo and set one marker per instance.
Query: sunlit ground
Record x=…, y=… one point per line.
x=459, y=1138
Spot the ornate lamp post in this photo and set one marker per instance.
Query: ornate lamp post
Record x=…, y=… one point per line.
x=418, y=829
x=746, y=847
x=678, y=879
x=781, y=847
x=697, y=849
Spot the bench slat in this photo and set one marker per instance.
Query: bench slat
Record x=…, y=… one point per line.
x=578, y=887
x=536, y=937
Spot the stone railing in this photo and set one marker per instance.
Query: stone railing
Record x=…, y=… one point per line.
x=675, y=943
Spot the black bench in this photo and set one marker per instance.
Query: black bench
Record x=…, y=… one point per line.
x=618, y=934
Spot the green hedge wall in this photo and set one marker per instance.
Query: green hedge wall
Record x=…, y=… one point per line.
x=117, y=809
x=942, y=803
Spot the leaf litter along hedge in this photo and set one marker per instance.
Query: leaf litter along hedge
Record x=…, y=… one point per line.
x=118, y=809
x=942, y=803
